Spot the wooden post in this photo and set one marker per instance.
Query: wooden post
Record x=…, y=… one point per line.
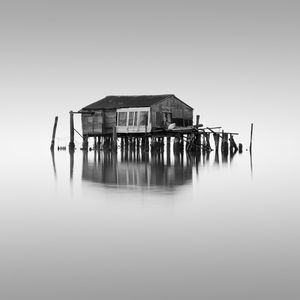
x=168, y=143
x=146, y=144
x=71, y=163
x=198, y=143
x=207, y=137
x=133, y=144
x=224, y=145
x=240, y=148
x=53, y=134
x=217, y=139
x=251, y=133
x=53, y=162
x=233, y=146
x=85, y=143
x=95, y=142
x=114, y=139
x=122, y=144
x=181, y=143
x=71, y=144
x=126, y=143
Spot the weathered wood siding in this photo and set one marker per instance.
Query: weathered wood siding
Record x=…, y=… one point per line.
x=92, y=123
x=181, y=114
x=110, y=120
x=100, y=122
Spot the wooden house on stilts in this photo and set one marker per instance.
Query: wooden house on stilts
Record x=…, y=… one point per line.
x=135, y=119
x=134, y=114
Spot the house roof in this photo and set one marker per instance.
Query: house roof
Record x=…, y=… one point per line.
x=110, y=102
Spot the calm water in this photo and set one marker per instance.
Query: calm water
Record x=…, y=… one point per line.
x=97, y=226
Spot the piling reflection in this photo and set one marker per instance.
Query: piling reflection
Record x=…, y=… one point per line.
x=71, y=164
x=146, y=169
x=137, y=169
x=53, y=163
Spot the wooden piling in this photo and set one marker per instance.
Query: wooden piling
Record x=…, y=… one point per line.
x=122, y=144
x=240, y=148
x=53, y=134
x=85, y=143
x=207, y=146
x=197, y=120
x=146, y=144
x=168, y=144
x=224, y=145
x=114, y=139
x=217, y=140
x=95, y=142
x=71, y=144
x=233, y=146
x=251, y=134
x=126, y=143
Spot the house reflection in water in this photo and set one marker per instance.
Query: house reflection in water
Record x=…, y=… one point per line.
x=144, y=170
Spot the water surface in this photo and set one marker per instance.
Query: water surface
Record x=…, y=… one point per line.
x=100, y=226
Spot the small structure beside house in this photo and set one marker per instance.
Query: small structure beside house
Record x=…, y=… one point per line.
x=134, y=114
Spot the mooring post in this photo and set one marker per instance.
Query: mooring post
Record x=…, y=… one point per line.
x=53, y=134
x=71, y=144
x=251, y=134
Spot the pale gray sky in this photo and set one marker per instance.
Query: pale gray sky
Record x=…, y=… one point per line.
x=234, y=61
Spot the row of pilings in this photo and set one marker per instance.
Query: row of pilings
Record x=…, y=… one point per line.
x=191, y=143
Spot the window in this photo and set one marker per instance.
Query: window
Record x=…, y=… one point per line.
x=122, y=119
x=143, y=118
x=132, y=119
x=135, y=118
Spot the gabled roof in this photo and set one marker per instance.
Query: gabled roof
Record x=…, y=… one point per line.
x=110, y=102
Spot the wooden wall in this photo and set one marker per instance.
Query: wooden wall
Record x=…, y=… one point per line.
x=92, y=123
x=181, y=113
x=110, y=120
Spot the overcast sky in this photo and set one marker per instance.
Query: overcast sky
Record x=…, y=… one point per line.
x=235, y=62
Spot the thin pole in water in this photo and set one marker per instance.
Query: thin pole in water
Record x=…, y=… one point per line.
x=251, y=134
x=53, y=134
x=71, y=144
